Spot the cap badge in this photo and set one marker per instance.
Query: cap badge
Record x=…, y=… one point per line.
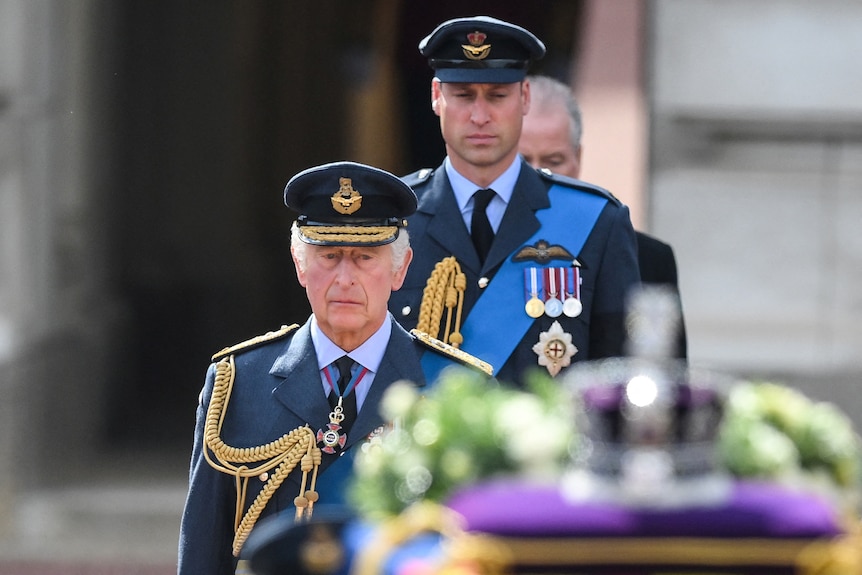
x=321, y=551
x=477, y=49
x=346, y=200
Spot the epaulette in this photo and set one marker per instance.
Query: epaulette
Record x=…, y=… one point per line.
x=458, y=355
x=256, y=341
x=575, y=183
x=417, y=177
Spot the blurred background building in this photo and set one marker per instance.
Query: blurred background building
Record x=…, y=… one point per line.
x=144, y=146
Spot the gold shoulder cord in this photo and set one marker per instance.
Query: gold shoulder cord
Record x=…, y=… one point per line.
x=298, y=446
x=445, y=288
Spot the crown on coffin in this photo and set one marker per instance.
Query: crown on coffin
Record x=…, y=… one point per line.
x=647, y=427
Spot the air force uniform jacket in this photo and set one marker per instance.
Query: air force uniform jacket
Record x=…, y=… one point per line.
x=277, y=388
x=607, y=259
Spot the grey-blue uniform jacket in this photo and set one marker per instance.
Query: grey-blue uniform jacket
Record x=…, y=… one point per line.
x=277, y=388
x=609, y=265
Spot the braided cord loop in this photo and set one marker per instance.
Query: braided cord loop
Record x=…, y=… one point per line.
x=299, y=446
x=444, y=290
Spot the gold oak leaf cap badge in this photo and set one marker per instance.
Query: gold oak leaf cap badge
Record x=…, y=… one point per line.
x=349, y=204
x=514, y=48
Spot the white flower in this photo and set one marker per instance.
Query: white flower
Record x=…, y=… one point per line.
x=519, y=413
x=426, y=432
x=457, y=464
x=537, y=450
x=532, y=438
x=398, y=399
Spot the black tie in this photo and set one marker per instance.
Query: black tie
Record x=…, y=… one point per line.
x=348, y=404
x=480, y=227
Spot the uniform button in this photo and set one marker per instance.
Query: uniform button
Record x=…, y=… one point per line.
x=405, y=311
x=263, y=476
x=483, y=282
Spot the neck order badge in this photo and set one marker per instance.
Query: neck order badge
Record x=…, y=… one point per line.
x=333, y=437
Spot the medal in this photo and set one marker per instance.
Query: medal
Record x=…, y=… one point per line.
x=553, y=306
x=332, y=438
x=555, y=349
x=572, y=307
x=374, y=440
x=534, y=307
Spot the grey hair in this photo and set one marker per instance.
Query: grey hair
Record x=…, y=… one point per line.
x=399, y=248
x=546, y=92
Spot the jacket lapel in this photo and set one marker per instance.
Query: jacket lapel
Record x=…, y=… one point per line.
x=446, y=225
x=519, y=221
x=301, y=391
x=400, y=362
x=518, y=224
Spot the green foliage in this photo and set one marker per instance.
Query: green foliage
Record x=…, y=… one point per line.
x=467, y=428
x=776, y=432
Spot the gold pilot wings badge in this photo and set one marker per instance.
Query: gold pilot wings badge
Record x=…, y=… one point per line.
x=542, y=252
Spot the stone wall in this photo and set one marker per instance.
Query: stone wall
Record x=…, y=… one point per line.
x=755, y=178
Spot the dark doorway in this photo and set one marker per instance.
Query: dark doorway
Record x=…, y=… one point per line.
x=217, y=104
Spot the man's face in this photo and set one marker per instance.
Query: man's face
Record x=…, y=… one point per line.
x=480, y=123
x=348, y=288
x=546, y=142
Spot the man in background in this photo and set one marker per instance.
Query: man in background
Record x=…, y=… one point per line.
x=551, y=139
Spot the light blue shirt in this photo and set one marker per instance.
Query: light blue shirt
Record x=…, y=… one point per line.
x=464, y=190
x=368, y=355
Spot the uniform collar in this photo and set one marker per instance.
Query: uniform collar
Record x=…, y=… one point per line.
x=464, y=188
x=369, y=354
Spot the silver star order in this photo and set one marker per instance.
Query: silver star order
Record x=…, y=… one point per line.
x=555, y=349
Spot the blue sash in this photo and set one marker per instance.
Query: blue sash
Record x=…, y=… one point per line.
x=572, y=215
